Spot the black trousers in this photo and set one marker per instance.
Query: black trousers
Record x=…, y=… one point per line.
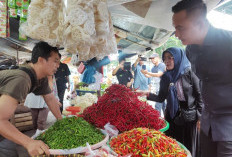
x=210, y=148
x=187, y=134
x=61, y=92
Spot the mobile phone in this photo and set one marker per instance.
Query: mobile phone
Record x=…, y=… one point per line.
x=144, y=67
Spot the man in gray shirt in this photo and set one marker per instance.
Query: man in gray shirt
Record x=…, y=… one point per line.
x=210, y=53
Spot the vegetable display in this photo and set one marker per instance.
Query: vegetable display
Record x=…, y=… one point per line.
x=146, y=143
x=71, y=132
x=85, y=100
x=122, y=108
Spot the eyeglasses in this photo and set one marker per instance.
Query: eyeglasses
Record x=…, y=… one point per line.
x=168, y=58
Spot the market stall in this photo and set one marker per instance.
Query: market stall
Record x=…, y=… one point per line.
x=134, y=128
x=86, y=29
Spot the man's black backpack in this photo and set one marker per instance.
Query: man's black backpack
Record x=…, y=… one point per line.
x=31, y=75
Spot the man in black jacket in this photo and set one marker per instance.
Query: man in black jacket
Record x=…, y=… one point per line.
x=210, y=53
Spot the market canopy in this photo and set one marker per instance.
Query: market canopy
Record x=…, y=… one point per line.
x=138, y=24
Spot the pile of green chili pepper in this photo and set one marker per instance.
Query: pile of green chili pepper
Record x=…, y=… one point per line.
x=70, y=133
x=146, y=143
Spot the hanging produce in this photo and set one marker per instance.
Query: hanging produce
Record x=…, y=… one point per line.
x=89, y=30
x=147, y=143
x=83, y=27
x=42, y=20
x=70, y=133
x=4, y=19
x=122, y=108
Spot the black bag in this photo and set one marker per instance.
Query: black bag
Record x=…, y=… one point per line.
x=185, y=116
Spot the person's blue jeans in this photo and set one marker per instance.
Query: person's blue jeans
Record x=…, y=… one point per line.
x=159, y=106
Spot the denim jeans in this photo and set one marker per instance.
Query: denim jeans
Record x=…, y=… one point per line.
x=159, y=106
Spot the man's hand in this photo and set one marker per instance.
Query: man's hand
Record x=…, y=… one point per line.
x=129, y=84
x=68, y=87
x=138, y=59
x=144, y=71
x=198, y=125
x=60, y=105
x=35, y=148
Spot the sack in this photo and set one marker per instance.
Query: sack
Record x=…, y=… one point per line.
x=81, y=68
x=185, y=116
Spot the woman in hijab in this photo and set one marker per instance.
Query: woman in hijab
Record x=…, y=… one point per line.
x=180, y=86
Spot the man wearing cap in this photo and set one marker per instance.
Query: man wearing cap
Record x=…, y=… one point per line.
x=141, y=82
x=156, y=72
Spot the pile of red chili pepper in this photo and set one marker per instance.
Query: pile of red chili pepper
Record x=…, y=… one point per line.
x=121, y=107
x=146, y=143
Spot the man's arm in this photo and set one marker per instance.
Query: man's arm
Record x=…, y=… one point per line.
x=8, y=106
x=159, y=74
x=53, y=105
x=136, y=63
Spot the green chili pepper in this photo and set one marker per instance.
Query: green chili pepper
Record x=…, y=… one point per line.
x=70, y=133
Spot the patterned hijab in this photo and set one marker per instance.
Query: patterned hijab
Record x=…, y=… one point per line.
x=181, y=64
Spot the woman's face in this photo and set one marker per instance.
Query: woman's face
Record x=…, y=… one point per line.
x=168, y=61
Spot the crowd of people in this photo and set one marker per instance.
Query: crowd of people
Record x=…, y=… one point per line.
x=195, y=83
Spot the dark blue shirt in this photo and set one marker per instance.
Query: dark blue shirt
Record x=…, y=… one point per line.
x=212, y=63
x=124, y=76
x=61, y=75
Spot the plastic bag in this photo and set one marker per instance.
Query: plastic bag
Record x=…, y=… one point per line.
x=37, y=133
x=81, y=68
x=75, y=150
x=111, y=130
x=104, y=151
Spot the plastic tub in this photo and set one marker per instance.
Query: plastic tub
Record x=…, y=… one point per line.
x=165, y=128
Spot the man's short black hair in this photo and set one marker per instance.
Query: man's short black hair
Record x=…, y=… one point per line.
x=42, y=49
x=191, y=6
x=121, y=59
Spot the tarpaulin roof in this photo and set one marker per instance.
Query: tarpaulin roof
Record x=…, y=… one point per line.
x=138, y=24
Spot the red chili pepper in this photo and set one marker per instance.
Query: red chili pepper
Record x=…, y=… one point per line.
x=146, y=142
x=122, y=108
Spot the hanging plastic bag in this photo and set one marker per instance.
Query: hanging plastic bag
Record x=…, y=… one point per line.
x=104, y=151
x=111, y=130
x=81, y=68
